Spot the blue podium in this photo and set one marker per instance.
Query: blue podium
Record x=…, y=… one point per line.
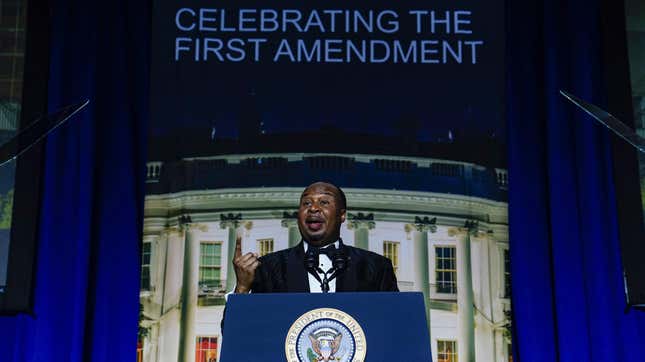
x=338, y=327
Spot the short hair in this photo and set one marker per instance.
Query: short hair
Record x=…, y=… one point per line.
x=341, y=198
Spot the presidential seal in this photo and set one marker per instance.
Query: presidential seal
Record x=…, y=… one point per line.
x=325, y=335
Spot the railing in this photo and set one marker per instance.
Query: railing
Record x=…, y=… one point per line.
x=211, y=295
x=406, y=174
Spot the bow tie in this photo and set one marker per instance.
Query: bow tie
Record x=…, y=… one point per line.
x=329, y=251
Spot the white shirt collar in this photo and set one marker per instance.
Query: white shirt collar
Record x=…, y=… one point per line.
x=336, y=245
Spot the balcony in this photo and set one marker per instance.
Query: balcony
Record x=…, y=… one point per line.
x=211, y=294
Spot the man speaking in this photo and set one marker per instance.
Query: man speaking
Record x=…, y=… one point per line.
x=320, y=262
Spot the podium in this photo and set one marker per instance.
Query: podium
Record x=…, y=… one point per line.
x=338, y=327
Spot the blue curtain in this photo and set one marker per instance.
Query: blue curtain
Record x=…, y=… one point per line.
x=568, y=294
x=87, y=278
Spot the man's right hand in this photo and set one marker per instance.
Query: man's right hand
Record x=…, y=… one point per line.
x=244, y=266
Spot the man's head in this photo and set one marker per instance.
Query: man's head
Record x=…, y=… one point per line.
x=321, y=212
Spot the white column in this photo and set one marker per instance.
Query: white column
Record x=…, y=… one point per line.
x=361, y=224
x=168, y=340
x=421, y=279
x=465, y=306
x=291, y=223
x=158, y=272
x=189, y=292
x=488, y=291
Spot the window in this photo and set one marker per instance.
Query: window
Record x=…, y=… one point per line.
x=507, y=274
x=446, y=351
x=146, y=251
x=210, y=264
x=265, y=246
x=391, y=251
x=206, y=349
x=446, y=269
x=140, y=351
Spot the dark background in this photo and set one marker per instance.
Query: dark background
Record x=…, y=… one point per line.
x=208, y=108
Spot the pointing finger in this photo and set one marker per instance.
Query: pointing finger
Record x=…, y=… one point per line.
x=238, y=247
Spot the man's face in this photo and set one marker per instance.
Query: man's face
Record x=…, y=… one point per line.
x=320, y=214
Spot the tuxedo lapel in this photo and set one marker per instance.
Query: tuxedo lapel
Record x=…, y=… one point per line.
x=297, y=281
x=347, y=281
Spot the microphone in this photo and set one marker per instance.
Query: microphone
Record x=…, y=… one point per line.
x=339, y=265
x=311, y=259
x=340, y=260
x=311, y=265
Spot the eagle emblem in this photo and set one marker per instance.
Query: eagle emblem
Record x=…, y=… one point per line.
x=325, y=344
x=325, y=335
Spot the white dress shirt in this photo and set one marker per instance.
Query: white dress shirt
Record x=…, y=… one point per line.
x=324, y=264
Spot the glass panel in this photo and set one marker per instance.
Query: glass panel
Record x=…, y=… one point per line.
x=635, y=23
x=145, y=277
x=446, y=272
x=206, y=349
x=507, y=274
x=209, y=260
x=12, y=48
x=265, y=246
x=446, y=351
x=145, y=265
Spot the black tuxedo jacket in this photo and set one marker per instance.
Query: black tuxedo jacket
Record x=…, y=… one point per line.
x=284, y=272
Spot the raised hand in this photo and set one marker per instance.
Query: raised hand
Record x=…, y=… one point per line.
x=244, y=266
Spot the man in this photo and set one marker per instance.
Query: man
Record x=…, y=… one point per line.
x=321, y=212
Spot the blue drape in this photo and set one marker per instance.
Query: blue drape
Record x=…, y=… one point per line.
x=568, y=294
x=87, y=277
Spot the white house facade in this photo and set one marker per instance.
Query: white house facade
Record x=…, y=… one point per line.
x=452, y=246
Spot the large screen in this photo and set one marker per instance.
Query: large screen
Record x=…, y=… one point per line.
x=24, y=64
x=243, y=78
x=12, y=46
x=8, y=122
x=636, y=51
x=401, y=104
x=631, y=194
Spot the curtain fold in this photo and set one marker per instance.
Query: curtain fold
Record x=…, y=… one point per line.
x=568, y=295
x=86, y=297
